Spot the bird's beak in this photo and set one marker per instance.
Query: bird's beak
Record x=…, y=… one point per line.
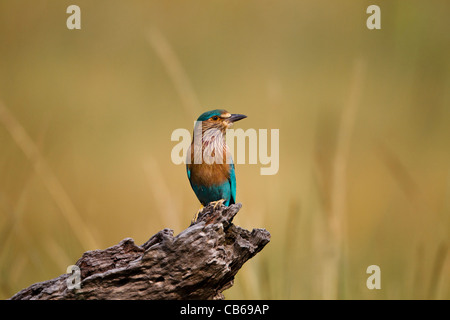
x=236, y=117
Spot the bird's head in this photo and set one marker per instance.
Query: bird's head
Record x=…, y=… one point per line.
x=218, y=119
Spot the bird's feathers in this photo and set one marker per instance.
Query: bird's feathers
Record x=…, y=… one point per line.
x=206, y=115
x=212, y=180
x=232, y=181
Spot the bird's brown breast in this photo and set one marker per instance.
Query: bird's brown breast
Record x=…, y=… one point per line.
x=209, y=174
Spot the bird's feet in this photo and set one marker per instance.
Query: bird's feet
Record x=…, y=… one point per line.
x=217, y=203
x=194, y=218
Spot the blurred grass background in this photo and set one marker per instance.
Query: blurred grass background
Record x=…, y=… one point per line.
x=364, y=118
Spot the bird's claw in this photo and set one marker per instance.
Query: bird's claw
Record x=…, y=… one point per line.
x=215, y=203
x=218, y=203
x=194, y=218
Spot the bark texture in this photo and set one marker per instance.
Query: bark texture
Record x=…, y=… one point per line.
x=198, y=263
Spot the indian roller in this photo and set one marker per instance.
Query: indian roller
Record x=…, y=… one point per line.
x=210, y=168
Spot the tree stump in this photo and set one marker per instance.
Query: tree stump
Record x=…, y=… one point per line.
x=198, y=263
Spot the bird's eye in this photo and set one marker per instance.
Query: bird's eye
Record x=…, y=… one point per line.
x=215, y=118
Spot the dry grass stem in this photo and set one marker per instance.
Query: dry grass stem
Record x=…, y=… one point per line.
x=176, y=72
x=51, y=182
x=337, y=219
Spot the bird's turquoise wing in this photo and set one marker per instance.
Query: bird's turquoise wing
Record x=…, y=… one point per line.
x=232, y=184
x=188, y=171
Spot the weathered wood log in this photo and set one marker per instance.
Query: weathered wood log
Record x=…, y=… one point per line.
x=199, y=263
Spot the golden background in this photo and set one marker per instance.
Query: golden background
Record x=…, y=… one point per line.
x=364, y=117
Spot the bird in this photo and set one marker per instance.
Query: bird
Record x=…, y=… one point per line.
x=209, y=165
